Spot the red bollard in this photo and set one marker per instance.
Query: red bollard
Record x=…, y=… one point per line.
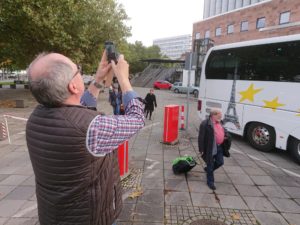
x=123, y=159
x=170, y=135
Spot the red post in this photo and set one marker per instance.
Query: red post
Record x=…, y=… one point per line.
x=170, y=135
x=182, y=118
x=123, y=158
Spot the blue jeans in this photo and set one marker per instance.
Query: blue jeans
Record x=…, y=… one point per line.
x=115, y=223
x=116, y=110
x=217, y=162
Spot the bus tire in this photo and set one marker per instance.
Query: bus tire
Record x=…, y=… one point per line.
x=176, y=90
x=295, y=149
x=261, y=137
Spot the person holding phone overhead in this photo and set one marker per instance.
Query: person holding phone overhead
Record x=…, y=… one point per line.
x=72, y=148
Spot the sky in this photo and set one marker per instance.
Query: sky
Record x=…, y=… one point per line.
x=155, y=19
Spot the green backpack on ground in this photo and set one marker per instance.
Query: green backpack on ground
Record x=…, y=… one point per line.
x=183, y=164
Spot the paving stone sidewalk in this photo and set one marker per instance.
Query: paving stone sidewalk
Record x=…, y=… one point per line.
x=252, y=187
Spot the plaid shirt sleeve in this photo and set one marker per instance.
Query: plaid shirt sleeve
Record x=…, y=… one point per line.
x=105, y=133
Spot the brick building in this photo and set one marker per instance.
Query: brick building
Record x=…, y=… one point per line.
x=263, y=19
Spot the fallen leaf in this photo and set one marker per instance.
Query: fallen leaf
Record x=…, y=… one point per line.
x=235, y=216
x=138, y=192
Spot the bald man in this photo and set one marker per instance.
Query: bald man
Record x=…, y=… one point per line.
x=72, y=147
x=210, y=139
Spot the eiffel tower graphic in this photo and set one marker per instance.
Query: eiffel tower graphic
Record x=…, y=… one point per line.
x=231, y=115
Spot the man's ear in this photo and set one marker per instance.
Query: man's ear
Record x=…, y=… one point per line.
x=73, y=88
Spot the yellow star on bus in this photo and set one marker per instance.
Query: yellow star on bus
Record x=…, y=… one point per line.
x=299, y=113
x=249, y=93
x=274, y=104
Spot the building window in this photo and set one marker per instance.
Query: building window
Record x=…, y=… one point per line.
x=260, y=23
x=207, y=34
x=244, y=26
x=218, y=31
x=230, y=29
x=197, y=35
x=284, y=17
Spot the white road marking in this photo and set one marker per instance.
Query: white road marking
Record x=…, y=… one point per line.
x=154, y=163
x=267, y=163
x=149, y=126
x=24, y=211
x=290, y=172
x=151, y=160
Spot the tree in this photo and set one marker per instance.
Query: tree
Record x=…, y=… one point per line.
x=136, y=52
x=75, y=28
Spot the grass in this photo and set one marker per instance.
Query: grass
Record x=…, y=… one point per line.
x=6, y=83
x=9, y=82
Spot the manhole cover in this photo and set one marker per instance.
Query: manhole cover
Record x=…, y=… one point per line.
x=207, y=222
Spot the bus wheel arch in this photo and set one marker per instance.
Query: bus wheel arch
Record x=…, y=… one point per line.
x=261, y=136
x=294, y=148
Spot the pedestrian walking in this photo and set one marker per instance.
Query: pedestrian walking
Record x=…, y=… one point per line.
x=210, y=140
x=115, y=99
x=150, y=103
x=72, y=148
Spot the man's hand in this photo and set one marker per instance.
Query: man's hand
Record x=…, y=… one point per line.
x=103, y=72
x=121, y=71
x=104, y=69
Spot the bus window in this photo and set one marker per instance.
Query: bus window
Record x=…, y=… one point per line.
x=221, y=65
x=269, y=62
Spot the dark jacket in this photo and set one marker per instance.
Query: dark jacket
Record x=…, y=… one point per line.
x=150, y=102
x=72, y=186
x=206, y=139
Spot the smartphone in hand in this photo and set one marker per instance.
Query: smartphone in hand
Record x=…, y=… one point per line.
x=111, y=52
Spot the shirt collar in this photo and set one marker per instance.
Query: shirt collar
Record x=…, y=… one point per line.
x=214, y=121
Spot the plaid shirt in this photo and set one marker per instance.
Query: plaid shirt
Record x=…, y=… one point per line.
x=106, y=133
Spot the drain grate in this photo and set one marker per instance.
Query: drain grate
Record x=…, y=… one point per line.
x=195, y=215
x=207, y=222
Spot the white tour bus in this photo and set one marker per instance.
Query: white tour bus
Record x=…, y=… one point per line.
x=256, y=84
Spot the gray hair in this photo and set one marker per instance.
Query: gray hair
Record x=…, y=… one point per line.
x=214, y=111
x=51, y=87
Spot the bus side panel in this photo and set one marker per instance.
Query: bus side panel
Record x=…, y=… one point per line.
x=282, y=121
x=296, y=133
x=220, y=94
x=232, y=118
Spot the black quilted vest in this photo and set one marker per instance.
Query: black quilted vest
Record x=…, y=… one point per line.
x=72, y=186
